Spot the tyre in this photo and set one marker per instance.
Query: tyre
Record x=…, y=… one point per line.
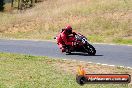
x=68, y=51
x=90, y=49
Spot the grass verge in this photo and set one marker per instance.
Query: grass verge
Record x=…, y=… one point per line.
x=25, y=71
x=122, y=41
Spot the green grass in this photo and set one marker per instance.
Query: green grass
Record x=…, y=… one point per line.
x=25, y=71
x=96, y=38
x=122, y=41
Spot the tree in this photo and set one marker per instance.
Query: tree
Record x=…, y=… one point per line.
x=2, y=5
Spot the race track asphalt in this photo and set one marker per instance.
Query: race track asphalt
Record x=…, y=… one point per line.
x=119, y=55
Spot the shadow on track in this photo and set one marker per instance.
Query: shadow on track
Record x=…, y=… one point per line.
x=82, y=54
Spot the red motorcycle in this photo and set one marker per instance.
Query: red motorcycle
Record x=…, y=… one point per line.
x=81, y=45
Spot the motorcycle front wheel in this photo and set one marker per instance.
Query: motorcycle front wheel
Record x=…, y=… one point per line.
x=90, y=49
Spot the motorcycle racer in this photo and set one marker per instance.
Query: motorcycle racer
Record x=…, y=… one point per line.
x=66, y=38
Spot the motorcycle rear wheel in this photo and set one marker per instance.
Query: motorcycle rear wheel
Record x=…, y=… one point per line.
x=68, y=51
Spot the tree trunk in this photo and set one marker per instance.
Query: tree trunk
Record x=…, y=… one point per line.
x=32, y=2
x=18, y=4
x=12, y=3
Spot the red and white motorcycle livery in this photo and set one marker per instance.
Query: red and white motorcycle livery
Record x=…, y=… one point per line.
x=81, y=45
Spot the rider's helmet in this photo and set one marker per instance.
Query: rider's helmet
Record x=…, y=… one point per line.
x=68, y=29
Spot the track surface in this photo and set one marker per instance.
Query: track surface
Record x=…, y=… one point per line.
x=118, y=55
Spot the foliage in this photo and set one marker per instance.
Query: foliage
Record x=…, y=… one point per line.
x=2, y=5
